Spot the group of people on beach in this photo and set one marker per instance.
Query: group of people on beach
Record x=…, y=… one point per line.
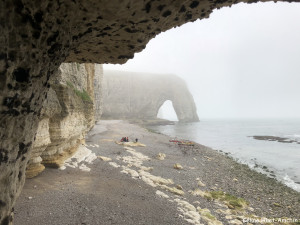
x=125, y=139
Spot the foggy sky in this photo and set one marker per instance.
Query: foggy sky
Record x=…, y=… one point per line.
x=242, y=62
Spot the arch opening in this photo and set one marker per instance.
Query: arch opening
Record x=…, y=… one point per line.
x=167, y=111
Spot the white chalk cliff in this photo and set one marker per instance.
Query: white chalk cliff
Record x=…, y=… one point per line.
x=128, y=95
x=68, y=113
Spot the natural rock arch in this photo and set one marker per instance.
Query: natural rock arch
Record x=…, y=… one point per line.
x=131, y=95
x=37, y=36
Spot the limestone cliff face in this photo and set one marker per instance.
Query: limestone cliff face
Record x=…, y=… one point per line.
x=98, y=98
x=67, y=114
x=135, y=95
x=51, y=107
x=37, y=36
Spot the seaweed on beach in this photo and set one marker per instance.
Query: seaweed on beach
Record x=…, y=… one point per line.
x=231, y=201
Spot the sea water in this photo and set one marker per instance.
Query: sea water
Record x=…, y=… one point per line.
x=235, y=137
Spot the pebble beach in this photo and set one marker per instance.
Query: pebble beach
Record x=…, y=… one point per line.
x=154, y=181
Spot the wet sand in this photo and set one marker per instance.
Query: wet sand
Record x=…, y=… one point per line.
x=132, y=186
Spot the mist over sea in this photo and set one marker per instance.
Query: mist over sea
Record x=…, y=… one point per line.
x=278, y=160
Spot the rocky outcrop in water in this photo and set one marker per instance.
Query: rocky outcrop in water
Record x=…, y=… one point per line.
x=128, y=95
x=67, y=114
x=275, y=138
x=37, y=36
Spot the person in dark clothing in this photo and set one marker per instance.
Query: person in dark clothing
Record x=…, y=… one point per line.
x=136, y=140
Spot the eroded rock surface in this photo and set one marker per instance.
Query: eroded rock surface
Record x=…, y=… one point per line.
x=51, y=107
x=37, y=36
x=128, y=95
x=67, y=115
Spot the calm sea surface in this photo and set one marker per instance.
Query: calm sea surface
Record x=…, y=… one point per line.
x=233, y=136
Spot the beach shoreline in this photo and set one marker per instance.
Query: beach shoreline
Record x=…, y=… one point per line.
x=276, y=156
x=198, y=194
